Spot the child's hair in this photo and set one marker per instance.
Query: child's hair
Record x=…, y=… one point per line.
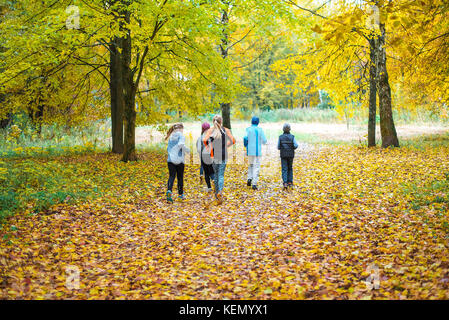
x=286, y=128
x=174, y=127
x=218, y=127
x=205, y=126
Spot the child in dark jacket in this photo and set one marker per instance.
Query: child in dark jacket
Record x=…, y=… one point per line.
x=287, y=145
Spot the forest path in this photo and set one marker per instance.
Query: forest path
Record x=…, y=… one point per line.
x=346, y=214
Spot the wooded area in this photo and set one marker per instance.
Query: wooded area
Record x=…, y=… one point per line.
x=190, y=56
x=88, y=90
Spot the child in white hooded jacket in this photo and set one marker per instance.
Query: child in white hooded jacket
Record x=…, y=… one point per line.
x=176, y=150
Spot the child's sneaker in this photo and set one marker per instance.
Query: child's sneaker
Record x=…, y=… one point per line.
x=219, y=198
x=182, y=197
x=248, y=183
x=201, y=180
x=254, y=187
x=209, y=190
x=290, y=184
x=285, y=186
x=169, y=198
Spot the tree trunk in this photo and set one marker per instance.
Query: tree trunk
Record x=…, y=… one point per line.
x=5, y=122
x=116, y=92
x=226, y=114
x=226, y=106
x=372, y=94
x=130, y=130
x=129, y=95
x=387, y=128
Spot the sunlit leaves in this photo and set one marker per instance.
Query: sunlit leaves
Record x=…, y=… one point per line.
x=351, y=208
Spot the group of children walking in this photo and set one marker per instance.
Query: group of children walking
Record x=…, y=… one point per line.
x=212, y=147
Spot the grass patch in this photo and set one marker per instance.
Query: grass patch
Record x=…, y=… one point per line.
x=425, y=141
x=23, y=140
x=300, y=115
x=51, y=151
x=432, y=198
x=435, y=193
x=358, y=115
x=34, y=185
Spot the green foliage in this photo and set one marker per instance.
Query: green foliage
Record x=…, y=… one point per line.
x=326, y=103
x=425, y=141
x=261, y=88
x=9, y=203
x=299, y=115
x=431, y=199
x=36, y=186
x=22, y=139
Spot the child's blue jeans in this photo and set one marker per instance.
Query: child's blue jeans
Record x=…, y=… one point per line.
x=219, y=170
x=287, y=170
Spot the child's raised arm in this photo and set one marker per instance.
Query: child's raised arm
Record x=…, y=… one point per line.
x=231, y=137
x=206, y=138
x=182, y=145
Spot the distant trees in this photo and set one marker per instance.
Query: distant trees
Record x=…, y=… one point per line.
x=346, y=56
x=144, y=51
x=136, y=61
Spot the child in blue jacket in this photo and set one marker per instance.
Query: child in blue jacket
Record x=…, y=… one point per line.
x=253, y=141
x=176, y=150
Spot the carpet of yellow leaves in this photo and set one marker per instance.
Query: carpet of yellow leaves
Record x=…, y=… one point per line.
x=347, y=212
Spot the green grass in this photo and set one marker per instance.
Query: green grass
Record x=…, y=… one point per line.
x=433, y=199
x=37, y=184
x=425, y=141
x=53, y=140
x=359, y=116
x=300, y=115
x=158, y=147
x=33, y=178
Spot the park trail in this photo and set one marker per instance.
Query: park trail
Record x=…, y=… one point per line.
x=345, y=217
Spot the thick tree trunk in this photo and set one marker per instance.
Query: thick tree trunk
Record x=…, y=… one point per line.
x=129, y=94
x=226, y=114
x=130, y=131
x=387, y=128
x=7, y=120
x=372, y=94
x=4, y=123
x=117, y=101
x=225, y=106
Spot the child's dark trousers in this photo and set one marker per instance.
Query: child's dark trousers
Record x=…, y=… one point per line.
x=287, y=170
x=176, y=171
